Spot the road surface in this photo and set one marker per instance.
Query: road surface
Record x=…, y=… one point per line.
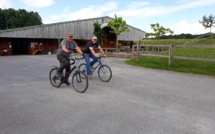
x=135, y=101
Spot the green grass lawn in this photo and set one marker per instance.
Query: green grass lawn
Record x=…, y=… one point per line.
x=179, y=65
x=178, y=41
x=197, y=67
x=166, y=41
x=193, y=52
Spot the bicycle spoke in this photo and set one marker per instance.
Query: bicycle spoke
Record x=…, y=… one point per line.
x=82, y=68
x=53, y=78
x=103, y=70
x=104, y=73
x=80, y=82
x=78, y=78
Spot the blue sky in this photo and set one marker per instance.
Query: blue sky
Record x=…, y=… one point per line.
x=181, y=16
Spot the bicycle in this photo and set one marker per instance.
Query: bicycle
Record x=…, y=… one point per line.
x=104, y=71
x=79, y=79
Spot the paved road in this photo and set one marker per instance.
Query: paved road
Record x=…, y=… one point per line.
x=135, y=101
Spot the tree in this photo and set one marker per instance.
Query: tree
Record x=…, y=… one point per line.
x=208, y=22
x=10, y=18
x=2, y=19
x=98, y=32
x=118, y=25
x=158, y=31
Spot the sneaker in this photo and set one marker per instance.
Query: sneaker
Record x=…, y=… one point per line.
x=91, y=72
x=89, y=76
x=67, y=83
x=59, y=76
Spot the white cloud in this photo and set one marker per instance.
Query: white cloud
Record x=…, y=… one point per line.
x=84, y=13
x=134, y=10
x=66, y=9
x=4, y=4
x=38, y=3
x=145, y=9
x=93, y=11
x=196, y=2
x=184, y=27
x=136, y=5
x=137, y=12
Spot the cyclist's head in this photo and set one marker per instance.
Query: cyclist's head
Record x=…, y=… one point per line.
x=69, y=37
x=94, y=39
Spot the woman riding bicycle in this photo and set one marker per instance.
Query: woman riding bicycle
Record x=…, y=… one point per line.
x=90, y=53
x=63, y=53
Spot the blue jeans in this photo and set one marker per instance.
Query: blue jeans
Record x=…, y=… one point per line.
x=88, y=63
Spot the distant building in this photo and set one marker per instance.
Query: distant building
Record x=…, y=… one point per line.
x=46, y=38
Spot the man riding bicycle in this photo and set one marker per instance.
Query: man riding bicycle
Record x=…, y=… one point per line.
x=90, y=53
x=63, y=53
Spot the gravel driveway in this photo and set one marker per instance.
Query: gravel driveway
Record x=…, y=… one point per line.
x=135, y=101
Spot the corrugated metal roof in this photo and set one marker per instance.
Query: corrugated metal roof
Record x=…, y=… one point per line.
x=81, y=29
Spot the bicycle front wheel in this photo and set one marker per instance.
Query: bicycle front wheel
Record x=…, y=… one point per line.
x=82, y=68
x=80, y=81
x=54, y=80
x=104, y=73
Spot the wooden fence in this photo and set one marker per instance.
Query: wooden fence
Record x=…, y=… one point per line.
x=143, y=50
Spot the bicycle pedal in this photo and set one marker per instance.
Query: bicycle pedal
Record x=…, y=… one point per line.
x=67, y=83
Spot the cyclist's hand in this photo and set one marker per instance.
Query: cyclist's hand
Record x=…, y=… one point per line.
x=83, y=55
x=105, y=55
x=97, y=55
x=69, y=51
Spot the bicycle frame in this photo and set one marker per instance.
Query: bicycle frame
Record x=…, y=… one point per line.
x=99, y=63
x=74, y=62
x=75, y=67
x=104, y=71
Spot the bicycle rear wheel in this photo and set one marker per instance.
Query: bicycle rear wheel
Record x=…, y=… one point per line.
x=104, y=73
x=80, y=81
x=54, y=80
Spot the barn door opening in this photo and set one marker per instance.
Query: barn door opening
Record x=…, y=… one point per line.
x=19, y=47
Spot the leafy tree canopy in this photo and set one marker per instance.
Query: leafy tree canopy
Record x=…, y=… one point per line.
x=158, y=31
x=208, y=22
x=11, y=18
x=118, y=25
x=98, y=32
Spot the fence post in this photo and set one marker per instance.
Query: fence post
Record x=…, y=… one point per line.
x=133, y=51
x=138, y=48
x=170, y=54
x=147, y=49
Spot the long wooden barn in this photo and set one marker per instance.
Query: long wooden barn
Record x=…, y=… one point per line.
x=46, y=38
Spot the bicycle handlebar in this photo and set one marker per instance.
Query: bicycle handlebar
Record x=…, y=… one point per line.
x=74, y=59
x=102, y=57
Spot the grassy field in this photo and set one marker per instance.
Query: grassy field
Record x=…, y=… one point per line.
x=193, y=52
x=179, y=41
x=197, y=67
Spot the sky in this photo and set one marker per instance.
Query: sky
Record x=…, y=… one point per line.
x=181, y=16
